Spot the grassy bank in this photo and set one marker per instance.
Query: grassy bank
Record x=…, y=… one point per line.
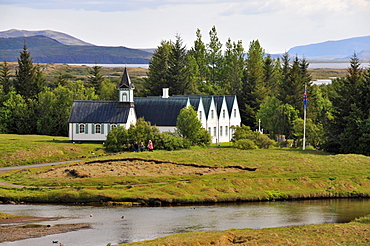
x=19, y=150
x=210, y=175
x=353, y=233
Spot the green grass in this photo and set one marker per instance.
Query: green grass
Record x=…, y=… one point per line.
x=352, y=233
x=280, y=174
x=19, y=150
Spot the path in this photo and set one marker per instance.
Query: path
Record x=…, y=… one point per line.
x=5, y=169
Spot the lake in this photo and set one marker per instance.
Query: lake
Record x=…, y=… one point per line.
x=337, y=65
x=144, y=223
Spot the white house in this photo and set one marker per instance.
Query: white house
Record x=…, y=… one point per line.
x=92, y=120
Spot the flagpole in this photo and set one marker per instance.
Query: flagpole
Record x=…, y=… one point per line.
x=304, y=117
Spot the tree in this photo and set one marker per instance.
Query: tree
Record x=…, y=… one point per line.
x=199, y=52
x=190, y=127
x=277, y=118
x=254, y=90
x=233, y=67
x=5, y=78
x=178, y=79
x=349, y=129
x=96, y=79
x=158, y=70
x=24, y=82
x=214, y=58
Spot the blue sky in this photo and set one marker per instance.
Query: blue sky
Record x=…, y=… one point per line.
x=277, y=24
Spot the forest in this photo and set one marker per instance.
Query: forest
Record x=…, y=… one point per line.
x=269, y=90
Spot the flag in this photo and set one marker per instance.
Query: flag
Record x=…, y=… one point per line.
x=305, y=98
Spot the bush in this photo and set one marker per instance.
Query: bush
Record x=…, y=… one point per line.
x=245, y=133
x=245, y=144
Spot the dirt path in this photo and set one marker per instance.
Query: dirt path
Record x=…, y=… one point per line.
x=5, y=169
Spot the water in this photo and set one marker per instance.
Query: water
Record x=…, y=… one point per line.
x=144, y=223
x=338, y=65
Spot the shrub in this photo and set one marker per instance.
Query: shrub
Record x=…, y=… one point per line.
x=245, y=144
x=245, y=133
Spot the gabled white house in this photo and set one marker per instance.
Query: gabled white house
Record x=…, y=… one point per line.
x=92, y=120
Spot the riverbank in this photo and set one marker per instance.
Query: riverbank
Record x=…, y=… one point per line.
x=352, y=233
x=209, y=175
x=14, y=228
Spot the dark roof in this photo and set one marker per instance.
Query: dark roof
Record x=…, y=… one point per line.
x=99, y=112
x=159, y=111
x=125, y=82
x=230, y=103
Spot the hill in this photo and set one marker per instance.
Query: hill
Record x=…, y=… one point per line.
x=335, y=50
x=47, y=50
x=58, y=36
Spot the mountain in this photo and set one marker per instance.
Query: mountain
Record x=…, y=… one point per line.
x=47, y=50
x=334, y=50
x=59, y=36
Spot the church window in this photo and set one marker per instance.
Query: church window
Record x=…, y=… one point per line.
x=97, y=128
x=82, y=128
x=211, y=114
x=223, y=113
x=124, y=97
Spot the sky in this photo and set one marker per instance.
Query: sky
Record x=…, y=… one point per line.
x=277, y=24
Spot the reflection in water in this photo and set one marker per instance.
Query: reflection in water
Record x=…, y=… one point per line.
x=144, y=223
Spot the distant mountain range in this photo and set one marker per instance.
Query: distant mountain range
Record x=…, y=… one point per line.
x=48, y=46
x=334, y=50
x=55, y=47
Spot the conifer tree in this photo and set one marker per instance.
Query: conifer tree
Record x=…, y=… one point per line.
x=214, y=58
x=24, y=82
x=5, y=78
x=158, y=70
x=96, y=78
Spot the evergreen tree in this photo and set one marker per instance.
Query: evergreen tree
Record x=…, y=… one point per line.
x=214, y=58
x=199, y=52
x=349, y=130
x=158, y=70
x=254, y=89
x=5, y=78
x=96, y=78
x=233, y=67
x=24, y=82
x=179, y=79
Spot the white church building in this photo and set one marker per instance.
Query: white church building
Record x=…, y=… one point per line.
x=92, y=120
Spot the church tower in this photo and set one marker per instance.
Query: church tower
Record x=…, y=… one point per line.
x=126, y=89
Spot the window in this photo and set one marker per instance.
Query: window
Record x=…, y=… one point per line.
x=214, y=131
x=209, y=130
x=234, y=113
x=223, y=113
x=226, y=131
x=113, y=126
x=97, y=128
x=221, y=131
x=211, y=114
x=82, y=128
x=124, y=97
x=200, y=115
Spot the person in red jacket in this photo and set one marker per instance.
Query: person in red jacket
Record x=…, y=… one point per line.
x=150, y=145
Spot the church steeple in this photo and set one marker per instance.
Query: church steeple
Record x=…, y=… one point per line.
x=126, y=88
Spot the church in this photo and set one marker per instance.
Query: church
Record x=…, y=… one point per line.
x=92, y=120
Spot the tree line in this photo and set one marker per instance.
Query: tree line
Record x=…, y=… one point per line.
x=269, y=90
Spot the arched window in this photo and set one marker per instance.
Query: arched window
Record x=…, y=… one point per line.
x=124, y=97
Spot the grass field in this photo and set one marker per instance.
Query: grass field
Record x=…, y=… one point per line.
x=354, y=233
x=201, y=175
x=19, y=150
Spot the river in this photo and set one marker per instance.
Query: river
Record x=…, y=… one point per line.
x=144, y=223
